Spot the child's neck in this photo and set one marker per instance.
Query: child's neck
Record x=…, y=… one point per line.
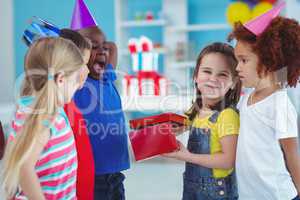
x=265, y=84
x=265, y=87
x=206, y=107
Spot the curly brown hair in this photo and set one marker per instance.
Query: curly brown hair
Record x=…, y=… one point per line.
x=277, y=47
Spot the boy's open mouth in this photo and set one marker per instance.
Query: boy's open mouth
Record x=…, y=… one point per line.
x=99, y=67
x=100, y=63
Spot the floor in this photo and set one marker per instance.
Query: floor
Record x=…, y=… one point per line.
x=157, y=179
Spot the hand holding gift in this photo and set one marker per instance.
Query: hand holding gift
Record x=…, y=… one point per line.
x=180, y=153
x=155, y=135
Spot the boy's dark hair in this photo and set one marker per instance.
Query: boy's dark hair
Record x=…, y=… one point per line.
x=233, y=95
x=277, y=47
x=81, y=42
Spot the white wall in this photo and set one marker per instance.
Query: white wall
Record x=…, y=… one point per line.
x=7, y=66
x=6, y=53
x=293, y=11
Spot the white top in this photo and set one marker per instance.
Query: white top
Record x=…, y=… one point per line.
x=260, y=165
x=294, y=94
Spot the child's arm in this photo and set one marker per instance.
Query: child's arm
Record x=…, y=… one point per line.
x=222, y=160
x=112, y=53
x=29, y=181
x=290, y=148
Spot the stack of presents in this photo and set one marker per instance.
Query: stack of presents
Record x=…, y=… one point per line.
x=146, y=80
x=154, y=135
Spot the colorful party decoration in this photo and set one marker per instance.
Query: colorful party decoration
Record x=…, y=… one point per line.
x=260, y=23
x=82, y=17
x=39, y=28
x=261, y=8
x=238, y=12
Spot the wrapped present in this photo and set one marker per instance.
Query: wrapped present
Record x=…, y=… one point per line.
x=145, y=83
x=151, y=83
x=130, y=85
x=171, y=118
x=145, y=65
x=152, y=141
x=142, y=55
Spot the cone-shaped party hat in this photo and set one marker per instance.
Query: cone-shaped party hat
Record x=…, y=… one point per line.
x=82, y=18
x=260, y=23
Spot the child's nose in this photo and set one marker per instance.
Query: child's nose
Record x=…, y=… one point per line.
x=238, y=68
x=213, y=77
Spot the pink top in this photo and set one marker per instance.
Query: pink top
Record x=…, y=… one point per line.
x=57, y=166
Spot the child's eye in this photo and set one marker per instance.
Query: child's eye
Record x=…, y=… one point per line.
x=95, y=47
x=223, y=75
x=244, y=61
x=207, y=72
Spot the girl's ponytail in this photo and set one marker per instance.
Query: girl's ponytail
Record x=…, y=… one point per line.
x=46, y=58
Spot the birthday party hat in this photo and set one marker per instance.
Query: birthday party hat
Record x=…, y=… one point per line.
x=82, y=18
x=260, y=23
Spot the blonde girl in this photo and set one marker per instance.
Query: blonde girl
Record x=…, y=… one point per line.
x=40, y=159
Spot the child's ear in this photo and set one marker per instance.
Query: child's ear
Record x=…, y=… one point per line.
x=59, y=78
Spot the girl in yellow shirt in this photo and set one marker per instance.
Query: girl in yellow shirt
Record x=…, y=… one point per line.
x=214, y=125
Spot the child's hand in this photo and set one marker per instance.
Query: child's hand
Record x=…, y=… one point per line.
x=178, y=129
x=181, y=153
x=112, y=51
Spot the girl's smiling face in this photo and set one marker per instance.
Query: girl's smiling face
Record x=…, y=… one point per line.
x=247, y=64
x=214, y=77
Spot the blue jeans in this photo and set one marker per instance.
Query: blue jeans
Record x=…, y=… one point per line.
x=109, y=187
x=296, y=198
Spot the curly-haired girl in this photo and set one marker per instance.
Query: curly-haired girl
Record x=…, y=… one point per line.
x=268, y=162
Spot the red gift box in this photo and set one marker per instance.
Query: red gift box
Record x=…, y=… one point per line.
x=152, y=141
x=158, y=119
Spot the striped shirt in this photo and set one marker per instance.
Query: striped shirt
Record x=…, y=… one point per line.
x=57, y=166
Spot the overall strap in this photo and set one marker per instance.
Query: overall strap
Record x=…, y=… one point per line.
x=214, y=117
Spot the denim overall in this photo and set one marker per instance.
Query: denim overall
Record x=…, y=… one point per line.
x=199, y=183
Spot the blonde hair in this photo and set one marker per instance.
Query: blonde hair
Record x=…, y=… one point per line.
x=81, y=42
x=44, y=60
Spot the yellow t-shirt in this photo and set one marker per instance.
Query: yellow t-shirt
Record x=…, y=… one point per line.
x=227, y=123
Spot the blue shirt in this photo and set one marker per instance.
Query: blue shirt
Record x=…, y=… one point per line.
x=100, y=104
